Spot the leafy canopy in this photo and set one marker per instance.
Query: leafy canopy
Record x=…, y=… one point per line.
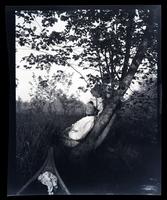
x=103, y=41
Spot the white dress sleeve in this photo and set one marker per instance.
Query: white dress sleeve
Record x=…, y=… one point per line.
x=81, y=128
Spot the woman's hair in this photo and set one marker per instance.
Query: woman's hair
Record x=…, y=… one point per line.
x=92, y=110
x=91, y=102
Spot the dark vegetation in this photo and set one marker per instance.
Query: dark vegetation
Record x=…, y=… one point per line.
x=135, y=153
x=34, y=132
x=115, y=42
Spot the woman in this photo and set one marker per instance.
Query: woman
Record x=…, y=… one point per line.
x=81, y=128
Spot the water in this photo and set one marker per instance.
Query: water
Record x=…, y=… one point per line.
x=150, y=186
x=101, y=179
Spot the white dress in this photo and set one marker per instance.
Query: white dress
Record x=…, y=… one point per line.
x=81, y=128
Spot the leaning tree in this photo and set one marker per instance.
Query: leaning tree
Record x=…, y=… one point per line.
x=113, y=43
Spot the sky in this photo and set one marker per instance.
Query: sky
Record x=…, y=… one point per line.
x=24, y=76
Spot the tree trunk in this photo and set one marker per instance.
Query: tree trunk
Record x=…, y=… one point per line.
x=99, y=132
x=106, y=119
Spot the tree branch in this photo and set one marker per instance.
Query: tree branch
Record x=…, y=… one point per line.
x=111, y=74
x=113, y=71
x=66, y=63
x=77, y=72
x=107, y=65
x=94, y=69
x=40, y=28
x=105, y=132
x=128, y=45
x=101, y=73
x=125, y=83
x=30, y=49
x=110, y=109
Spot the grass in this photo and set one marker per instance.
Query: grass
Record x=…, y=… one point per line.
x=33, y=131
x=33, y=134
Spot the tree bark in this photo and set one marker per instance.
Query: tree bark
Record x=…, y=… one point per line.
x=105, y=132
x=128, y=45
x=106, y=119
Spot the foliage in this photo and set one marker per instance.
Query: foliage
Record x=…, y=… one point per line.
x=49, y=93
x=33, y=136
x=105, y=41
x=142, y=104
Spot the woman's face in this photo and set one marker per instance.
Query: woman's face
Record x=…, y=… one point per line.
x=89, y=108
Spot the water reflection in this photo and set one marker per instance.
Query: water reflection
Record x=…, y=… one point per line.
x=152, y=188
